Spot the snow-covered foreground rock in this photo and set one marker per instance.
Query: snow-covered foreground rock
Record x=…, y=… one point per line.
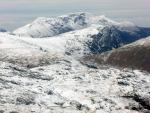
x=70, y=87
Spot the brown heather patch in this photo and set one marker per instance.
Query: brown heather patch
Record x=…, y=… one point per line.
x=135, y=57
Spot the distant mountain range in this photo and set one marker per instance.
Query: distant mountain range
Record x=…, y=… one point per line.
x=78, y=34
x=109, y=35
x=48, y=27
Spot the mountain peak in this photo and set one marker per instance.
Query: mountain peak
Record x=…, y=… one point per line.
x=47, y=27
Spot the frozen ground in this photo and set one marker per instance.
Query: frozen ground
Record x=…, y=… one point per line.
x=70, y=87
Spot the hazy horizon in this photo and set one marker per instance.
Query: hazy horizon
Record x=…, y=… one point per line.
x=16, y=13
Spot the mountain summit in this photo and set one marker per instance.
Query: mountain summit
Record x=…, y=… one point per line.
x=47, y=27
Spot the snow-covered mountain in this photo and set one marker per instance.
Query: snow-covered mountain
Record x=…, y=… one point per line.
x=47, y=27
x=48, y=74
x=97, y=38
x=109, y=34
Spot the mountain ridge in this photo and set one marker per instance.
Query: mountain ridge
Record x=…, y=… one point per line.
x=47, y=27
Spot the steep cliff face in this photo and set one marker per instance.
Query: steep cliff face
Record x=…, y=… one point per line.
x=114, y=36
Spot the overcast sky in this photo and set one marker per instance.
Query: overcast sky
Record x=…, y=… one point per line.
x=15, y=13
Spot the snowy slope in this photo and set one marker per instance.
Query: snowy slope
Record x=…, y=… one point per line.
x=71, y=43
x=17, y=51
x=34, y=51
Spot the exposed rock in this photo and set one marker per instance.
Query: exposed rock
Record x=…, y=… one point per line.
x=25, y=99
